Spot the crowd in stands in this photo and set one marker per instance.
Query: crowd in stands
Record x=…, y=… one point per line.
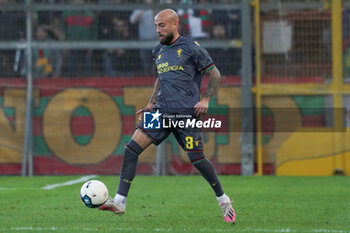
x=109, y=25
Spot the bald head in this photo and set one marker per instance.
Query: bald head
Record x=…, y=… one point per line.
x=167, y=24
x=168, y=14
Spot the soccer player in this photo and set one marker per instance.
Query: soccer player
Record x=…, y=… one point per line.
x=180, y=64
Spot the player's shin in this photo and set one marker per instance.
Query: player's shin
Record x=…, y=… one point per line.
x=131, y=154
x=206, y=168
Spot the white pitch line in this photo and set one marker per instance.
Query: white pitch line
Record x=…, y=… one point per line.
x=50, y=186
x=70, y=182
x=14, y=189
x=36, y=229
x=140, y=229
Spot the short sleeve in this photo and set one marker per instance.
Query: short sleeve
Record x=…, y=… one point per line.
x=202, y=58
x=155, y=51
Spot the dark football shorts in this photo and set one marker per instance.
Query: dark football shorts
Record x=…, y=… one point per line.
x=190, y=139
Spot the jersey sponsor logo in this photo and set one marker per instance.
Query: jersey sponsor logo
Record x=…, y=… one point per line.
x=164, y=67
x=152, y=120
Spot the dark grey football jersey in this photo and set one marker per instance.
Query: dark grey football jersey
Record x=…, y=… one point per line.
x=180, y=67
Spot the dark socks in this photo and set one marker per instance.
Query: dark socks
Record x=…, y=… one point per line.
x=128, y=172
x=207, y=170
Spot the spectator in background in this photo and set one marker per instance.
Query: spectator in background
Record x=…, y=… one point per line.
x=48, y=17
x=53, y=30
x=231, y=18
x=106, y=29
x=79, y=25
x=146, y=31
x=51, y=21
x=228, y=60
x=12, y=28
x=47, y=62
x=106, y=19
x=194, y=23
x=118, y=61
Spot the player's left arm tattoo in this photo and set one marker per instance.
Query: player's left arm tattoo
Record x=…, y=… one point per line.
x=201, y=107
x=213, y=84
x=153, y=99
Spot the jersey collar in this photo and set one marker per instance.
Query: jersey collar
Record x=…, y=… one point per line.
x=173, y=42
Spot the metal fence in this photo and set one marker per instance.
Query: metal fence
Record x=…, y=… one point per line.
x=103, y=45
x=300, y=66
x=275, y=87
x=108, y=38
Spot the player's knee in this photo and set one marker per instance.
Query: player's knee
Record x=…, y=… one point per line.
x=132, y=150
x=195, y=157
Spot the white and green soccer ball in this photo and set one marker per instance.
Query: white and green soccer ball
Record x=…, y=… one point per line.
x=93, y=193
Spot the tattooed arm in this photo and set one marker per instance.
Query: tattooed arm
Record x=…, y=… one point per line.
x=152, y=101
x=201, y=107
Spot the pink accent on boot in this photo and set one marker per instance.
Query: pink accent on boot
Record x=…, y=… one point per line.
x=228, y=212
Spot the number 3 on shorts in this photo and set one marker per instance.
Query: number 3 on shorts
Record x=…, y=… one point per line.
x=189, y=143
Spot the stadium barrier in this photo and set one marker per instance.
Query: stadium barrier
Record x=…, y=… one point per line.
x=298, y=45
x=301, y=92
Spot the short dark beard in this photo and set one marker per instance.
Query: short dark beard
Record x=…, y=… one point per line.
x=167, y=39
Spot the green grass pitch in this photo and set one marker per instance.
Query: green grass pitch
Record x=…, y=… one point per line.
x=179, y=204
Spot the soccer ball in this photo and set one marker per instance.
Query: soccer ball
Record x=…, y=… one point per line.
x=93, y=193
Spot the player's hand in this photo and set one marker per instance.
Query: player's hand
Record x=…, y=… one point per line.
x=201, y=108
x=148, y=108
